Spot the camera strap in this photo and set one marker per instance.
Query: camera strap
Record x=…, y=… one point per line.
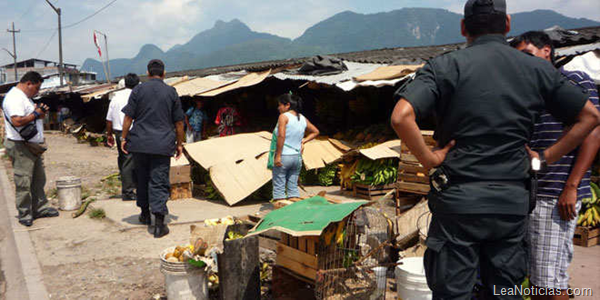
x=13, y=126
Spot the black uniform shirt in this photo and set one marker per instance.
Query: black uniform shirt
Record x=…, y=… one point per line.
x=487, y=98
x=155, y=108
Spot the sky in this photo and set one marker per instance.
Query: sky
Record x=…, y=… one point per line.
x=129, y=24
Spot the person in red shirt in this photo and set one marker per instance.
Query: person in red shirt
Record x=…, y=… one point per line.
x=228, y=119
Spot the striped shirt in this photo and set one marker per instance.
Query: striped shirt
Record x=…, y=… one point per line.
x=547, y=131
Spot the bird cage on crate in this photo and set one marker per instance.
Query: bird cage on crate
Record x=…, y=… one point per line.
x=348, y=252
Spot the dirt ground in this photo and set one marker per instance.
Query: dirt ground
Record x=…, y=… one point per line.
x=95, y=259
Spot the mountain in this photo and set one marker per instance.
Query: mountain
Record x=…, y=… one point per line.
x=233, y=42
x=349, y=31
x=542, y=19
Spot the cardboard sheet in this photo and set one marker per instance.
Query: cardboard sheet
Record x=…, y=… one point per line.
x=236, y=180
x=320, y=152
x=246, y=81
x=182, y=161
x=388, y=72
x=389, y=149
x=198, y=86
x=98, y=94
x=211, y=152
x=238, y=164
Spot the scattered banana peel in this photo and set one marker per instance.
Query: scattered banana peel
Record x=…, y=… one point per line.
x=83, y=207
x=114, y=175
x=234, y=236
x=229, y=220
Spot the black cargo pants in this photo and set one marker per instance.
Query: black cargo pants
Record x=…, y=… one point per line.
x=153, y=185
x=457, y=245
x=126, y=169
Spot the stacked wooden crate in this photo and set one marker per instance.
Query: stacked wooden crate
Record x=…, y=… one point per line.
x=412, y=176
x=180, y=179
x=371, y=192
x=586, y=236
x=299, y=255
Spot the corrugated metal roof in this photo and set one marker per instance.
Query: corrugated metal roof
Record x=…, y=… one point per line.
x=354, y=70
x=575, y=50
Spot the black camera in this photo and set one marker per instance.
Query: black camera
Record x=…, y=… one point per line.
x=43, y=107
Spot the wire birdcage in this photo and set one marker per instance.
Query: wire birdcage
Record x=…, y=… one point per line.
x=348, y=252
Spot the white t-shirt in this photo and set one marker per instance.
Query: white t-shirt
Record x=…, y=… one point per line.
x=16, y=104
x=115, y=115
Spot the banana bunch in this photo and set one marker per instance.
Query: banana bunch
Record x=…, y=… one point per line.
x=376, y=172
x=589, y=215
x=346, y=172
x=334, y=233
x=326, y=176
x=210, y=191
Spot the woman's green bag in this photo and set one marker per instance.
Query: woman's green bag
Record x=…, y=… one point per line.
x=272, y=149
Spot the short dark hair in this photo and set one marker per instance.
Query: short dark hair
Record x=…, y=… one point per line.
x=33, y=77
x=131, y=80
x=480, y=24
x=156, y=67
x=539, y=39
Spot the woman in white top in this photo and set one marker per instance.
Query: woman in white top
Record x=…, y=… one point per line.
x=292, y=127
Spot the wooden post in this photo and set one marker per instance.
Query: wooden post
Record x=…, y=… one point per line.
x=239, y=266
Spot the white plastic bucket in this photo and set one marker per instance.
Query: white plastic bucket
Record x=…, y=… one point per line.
x=68, y=190
x=182, y=281
x=411, y=283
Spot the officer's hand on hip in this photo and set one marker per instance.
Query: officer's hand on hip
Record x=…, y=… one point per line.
x=532, y=154
x=439, y=155
x=567, y=202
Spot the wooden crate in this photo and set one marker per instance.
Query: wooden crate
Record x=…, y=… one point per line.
x=412, y=176
x=371, y=192
x=586, y=236
x=180, y=174
x=181, y=190
x=298, y=254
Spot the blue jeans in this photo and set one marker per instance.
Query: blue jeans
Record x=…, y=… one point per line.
x=285, y=178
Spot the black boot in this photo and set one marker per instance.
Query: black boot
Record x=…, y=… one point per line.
x=145, y=216
x=160, y=228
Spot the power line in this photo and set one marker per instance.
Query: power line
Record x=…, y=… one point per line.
x=90, y=16
x=76, y=23
x=27, y=11
x=47, y=44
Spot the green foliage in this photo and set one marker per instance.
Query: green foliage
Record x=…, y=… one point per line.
x=97, y=213
x=52, y=193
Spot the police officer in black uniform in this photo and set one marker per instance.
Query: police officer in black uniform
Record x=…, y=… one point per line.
x=485, y=99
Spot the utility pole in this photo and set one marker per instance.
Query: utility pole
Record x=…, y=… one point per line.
x=14, y=53
x=106, y=50
x=60, y=56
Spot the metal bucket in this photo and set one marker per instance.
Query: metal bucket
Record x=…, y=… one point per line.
x=69, y=193
x=183, y=281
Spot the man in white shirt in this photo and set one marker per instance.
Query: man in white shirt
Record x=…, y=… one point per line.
x=26, y=151
x=114, y=125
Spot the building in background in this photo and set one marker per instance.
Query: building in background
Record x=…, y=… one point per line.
x=48, y=70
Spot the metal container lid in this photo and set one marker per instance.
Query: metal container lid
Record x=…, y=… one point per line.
x=68, y=180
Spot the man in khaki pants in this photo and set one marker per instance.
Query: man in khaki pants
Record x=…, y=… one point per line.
x=26, y=151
